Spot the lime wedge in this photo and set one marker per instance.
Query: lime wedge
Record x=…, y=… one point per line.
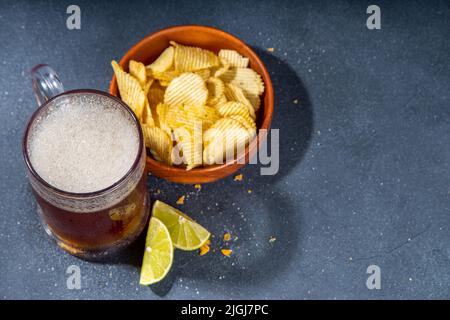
x=158, y=255
x=186, y=234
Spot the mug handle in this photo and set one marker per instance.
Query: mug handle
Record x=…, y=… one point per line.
x=46, y=83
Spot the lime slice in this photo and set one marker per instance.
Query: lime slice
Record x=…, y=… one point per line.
x=186, y=234
x=158, y=255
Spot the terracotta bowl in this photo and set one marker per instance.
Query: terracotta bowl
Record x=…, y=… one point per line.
x=149, y=48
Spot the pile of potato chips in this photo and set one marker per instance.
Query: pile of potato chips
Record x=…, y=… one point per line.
x=196, y=108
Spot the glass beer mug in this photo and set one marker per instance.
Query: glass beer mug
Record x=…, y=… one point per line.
x=85, y=159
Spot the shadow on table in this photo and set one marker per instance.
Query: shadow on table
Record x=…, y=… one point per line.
x=270, y=259
x=293, y=115
x=248, y=265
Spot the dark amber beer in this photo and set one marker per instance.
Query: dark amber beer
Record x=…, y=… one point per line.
x=85, y=157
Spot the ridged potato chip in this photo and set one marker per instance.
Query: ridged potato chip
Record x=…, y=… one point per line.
x=130, y=90
x=207, y=115
x=180, y=116
x=188, y=88
x=218, y=128
x=234, y=93
x=222, y=68
x=189, y=141
x=193, y=58
x=210, y=116
x=147, y=117
x=245, y=78
x=233, y=107
x=164, y=62
x=190, y=116
x=204, y=73
x=216, y=90
x=246, y=121
x=162, y=111
x=205, y=102
x=254, y=100
x=214, y=152
x=137, y=70
x=223, y=140
x=221, y=100
x=235, y=142
x=155, y=96
x=159, y=143
x=165, y=76
x=234, y=58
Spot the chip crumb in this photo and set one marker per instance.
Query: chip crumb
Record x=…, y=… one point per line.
x=270, y=49
x=226, y=252
x=249, y=191
x=238, y=177
x=227, y=236
x=198, y=186
x=272, y=239
x=157, y=191
x=295, y=101
x=204, y=249
x=181, y=200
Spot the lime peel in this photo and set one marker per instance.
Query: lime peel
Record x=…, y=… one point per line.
x=158, y=254
x=185, y=233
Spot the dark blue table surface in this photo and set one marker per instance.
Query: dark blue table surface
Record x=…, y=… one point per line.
x=364, y=173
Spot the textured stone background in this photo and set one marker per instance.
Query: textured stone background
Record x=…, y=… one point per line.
x=364, y=175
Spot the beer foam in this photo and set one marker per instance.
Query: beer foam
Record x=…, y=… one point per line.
x=83, y=143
